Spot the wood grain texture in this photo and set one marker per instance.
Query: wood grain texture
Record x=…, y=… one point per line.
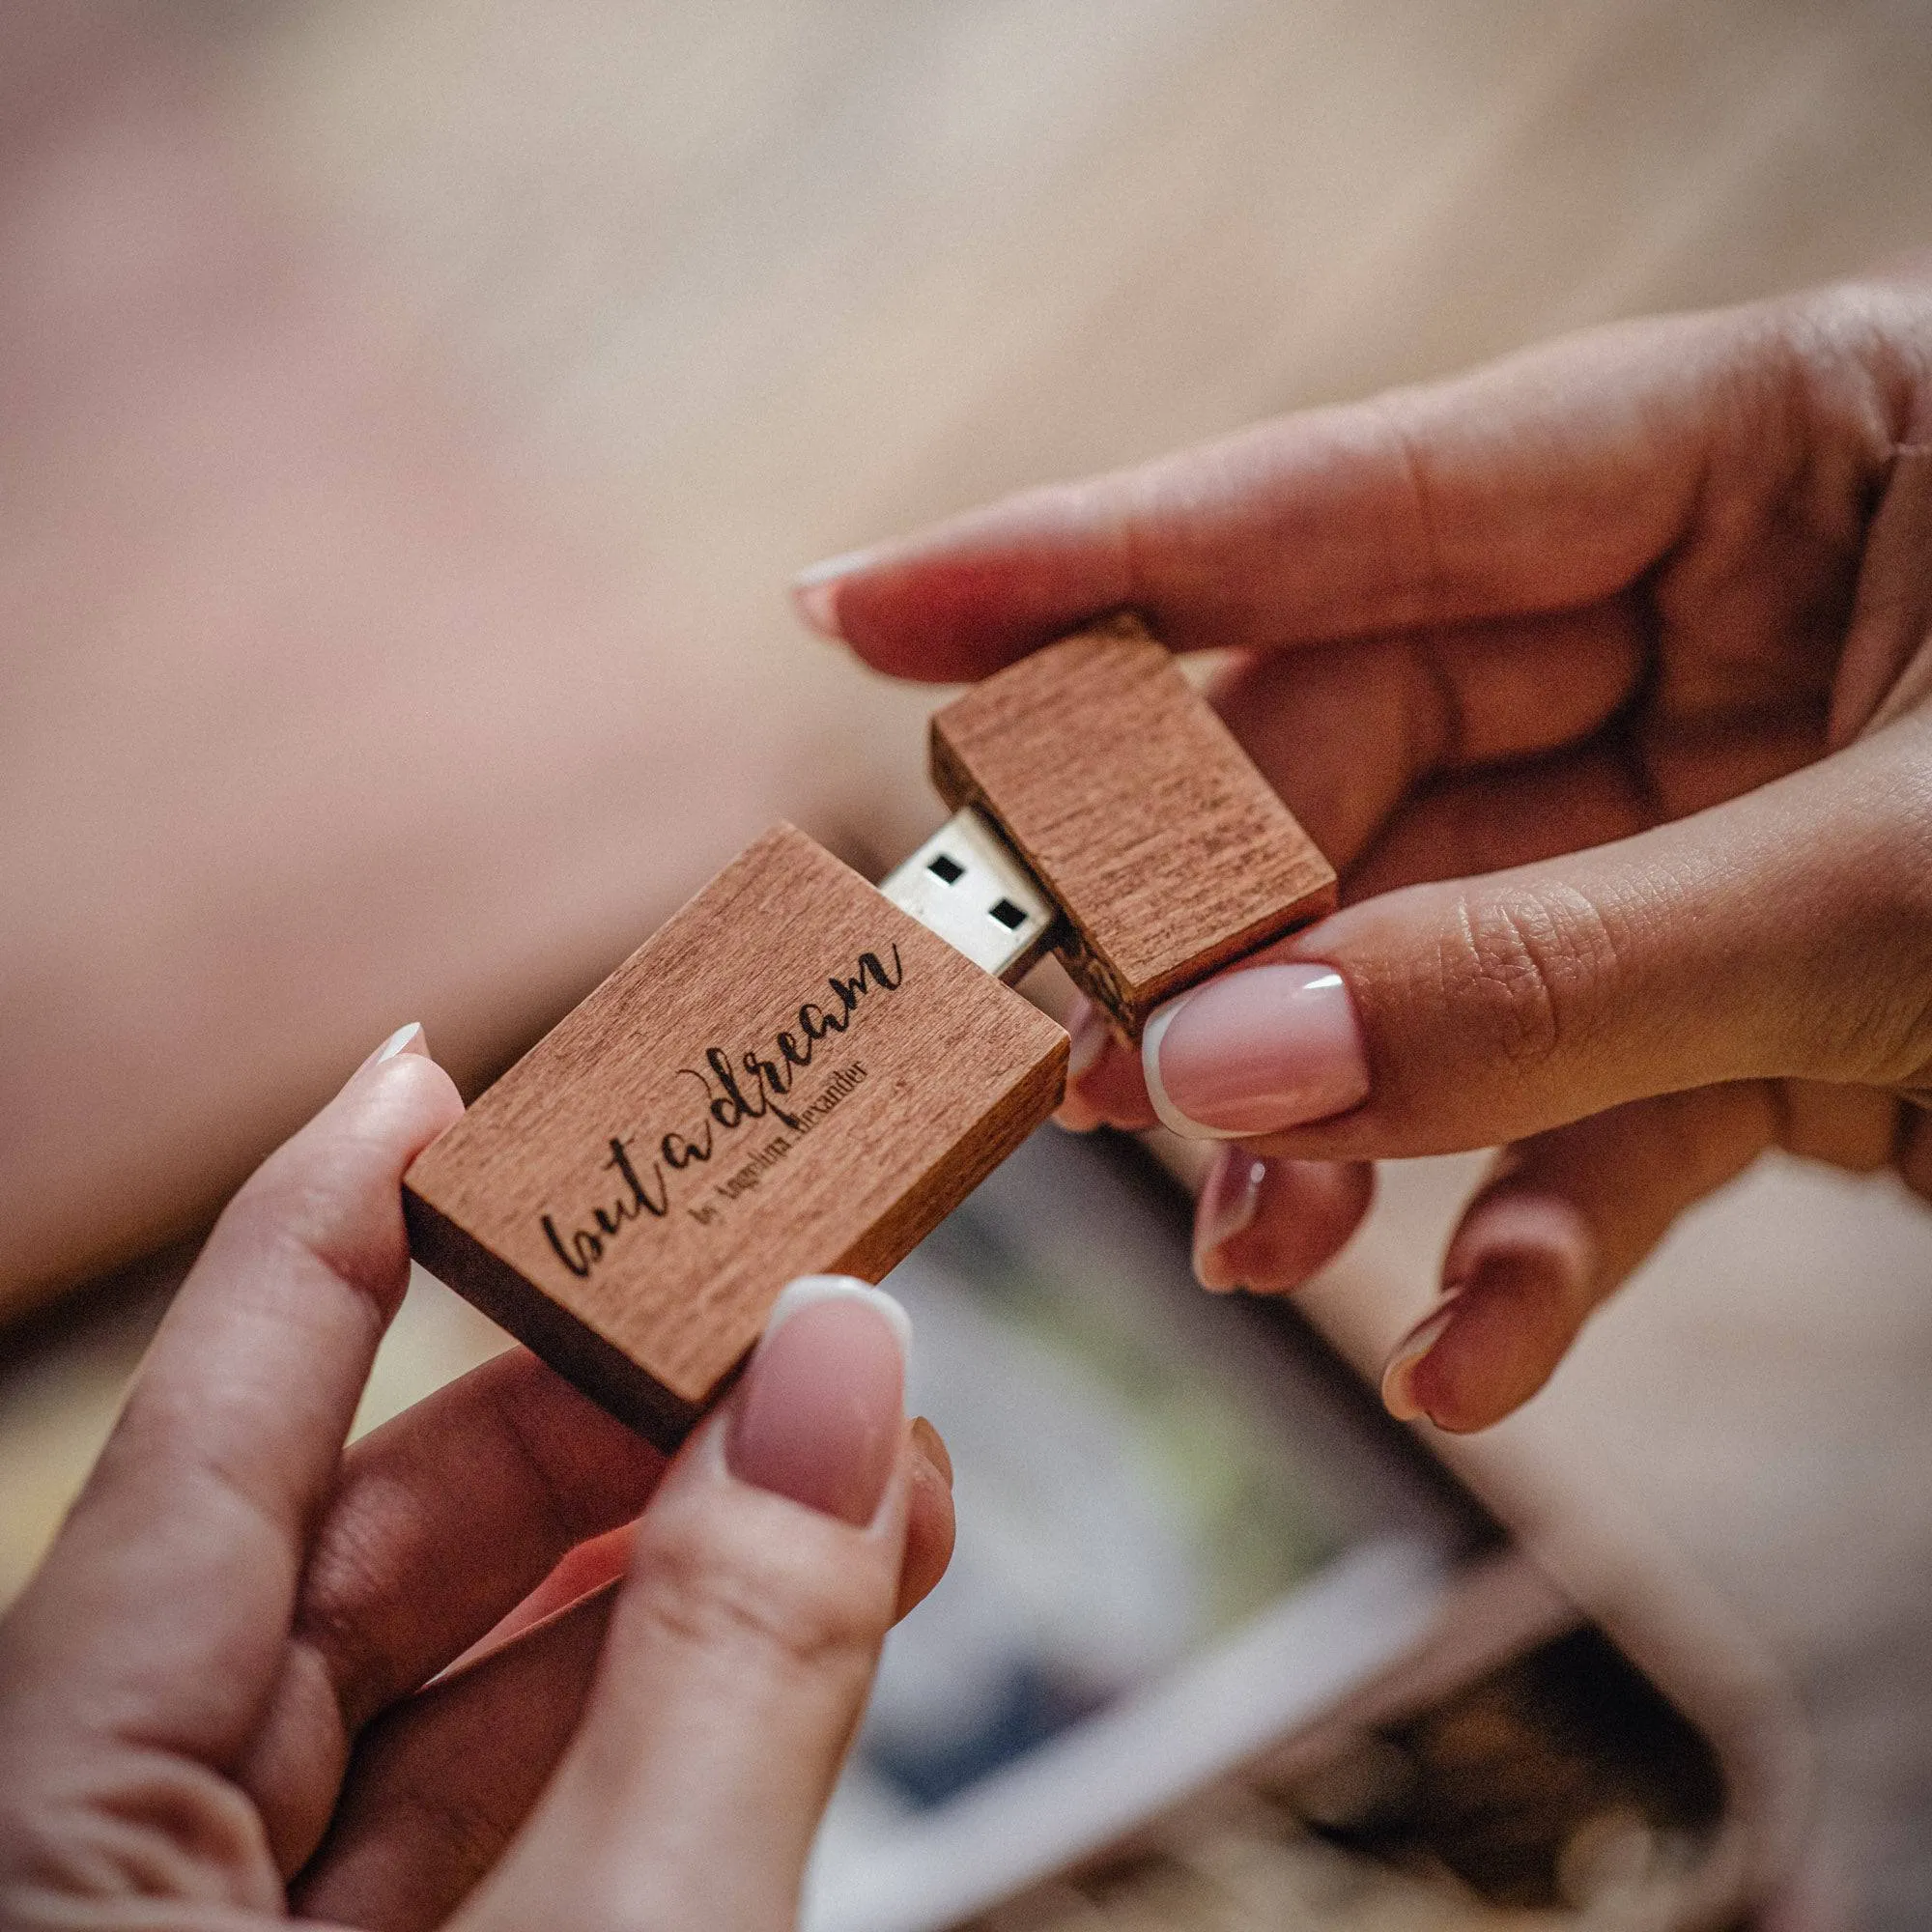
x=791, y=1077
x=1168, y=851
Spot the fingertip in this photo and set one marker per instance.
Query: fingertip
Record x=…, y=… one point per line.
x=1492, y=1344
x=1230, y=1200
x=343, y=1169
x=1262, y=1048
x=964, y=597
x=814, y=592
x=937, y=622
x=931, y=1525
x=1090, y=1042
x=1267, y=1224
x=405, y=1056
x=1540, y=1229
x=817, y=1416
x=1400, y=1396
x=1108, y=1090
x=408, y=1037
x=421, y=1089
x=931, y=1446
x=1088, y=1037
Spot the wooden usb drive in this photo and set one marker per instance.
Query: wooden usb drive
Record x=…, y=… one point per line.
x=804, y=1073
x=793, y=1077
x=1168, y=852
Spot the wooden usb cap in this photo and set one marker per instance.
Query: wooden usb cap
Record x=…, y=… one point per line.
x=1167, y=851
x=793, y=1076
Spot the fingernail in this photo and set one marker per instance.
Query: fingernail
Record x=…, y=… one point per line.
x=820, y=1410
x=1229, y=1203
x=1088, y=1035
x=930, y=1444
x=815, y=591
x=1254, y=1051
x=409, y=1038
x=1398, y=1396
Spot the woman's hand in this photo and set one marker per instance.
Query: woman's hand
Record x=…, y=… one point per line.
x=213, y=1708
x=1605, y=677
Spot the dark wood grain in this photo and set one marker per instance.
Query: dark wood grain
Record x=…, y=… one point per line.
x=1168, y=851
x=718, y=1118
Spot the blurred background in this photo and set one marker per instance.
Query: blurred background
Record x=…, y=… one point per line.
x=410, y=415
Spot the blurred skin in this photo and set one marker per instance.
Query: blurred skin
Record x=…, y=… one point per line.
x=322, y=697
x=1605, y=677
x=212, y=1710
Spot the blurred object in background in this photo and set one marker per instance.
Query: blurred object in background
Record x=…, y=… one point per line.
x=1221, y=1640
x=410, y=415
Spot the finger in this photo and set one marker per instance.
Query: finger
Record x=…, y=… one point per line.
x=1346, y=734
x=1495, y=820
x=1566, y=1217
x=1610, y=787
x=1784, y=934
x=441, y=1522
x=161, y=1613
x=1269, y=1224
x=1887, y=665
x=443, y=1783
x=1536, y=484
x=1103, y=1076
x=1915, y=1150
x=1560, y=1224
x=1857, y=1128
x=930, y=1526
x=742, y=1646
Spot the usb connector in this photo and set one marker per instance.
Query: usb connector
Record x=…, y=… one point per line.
x=969, y=886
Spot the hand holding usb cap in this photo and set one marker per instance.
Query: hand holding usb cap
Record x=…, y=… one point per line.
x=801, y=1073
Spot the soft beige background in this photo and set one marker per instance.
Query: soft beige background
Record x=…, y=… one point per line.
x=411, y=410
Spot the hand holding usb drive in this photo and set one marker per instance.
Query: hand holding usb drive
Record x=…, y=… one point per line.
x=802, y=1073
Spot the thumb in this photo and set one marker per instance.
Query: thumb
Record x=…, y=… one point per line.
x=1786, y=933
x=762, y=1580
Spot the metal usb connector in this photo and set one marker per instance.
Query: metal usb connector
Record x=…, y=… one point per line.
x=970, y=887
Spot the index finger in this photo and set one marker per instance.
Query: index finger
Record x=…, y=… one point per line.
x=1536, y=484
x=163, y=1607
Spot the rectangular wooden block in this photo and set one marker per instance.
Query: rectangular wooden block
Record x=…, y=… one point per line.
x=791, y=1077
x=1168, y=852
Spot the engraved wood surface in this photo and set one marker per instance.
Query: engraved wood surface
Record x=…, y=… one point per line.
x=1168, y=851
x=791, y=1077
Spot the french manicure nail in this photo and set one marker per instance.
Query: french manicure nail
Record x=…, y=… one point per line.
x=1229, y=1203
x=1399, y=1377
x=820, y=1410
x=815, y=590
x=1254, y=1051
x=409, y=1038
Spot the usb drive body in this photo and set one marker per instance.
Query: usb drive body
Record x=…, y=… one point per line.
x=804, y=1073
